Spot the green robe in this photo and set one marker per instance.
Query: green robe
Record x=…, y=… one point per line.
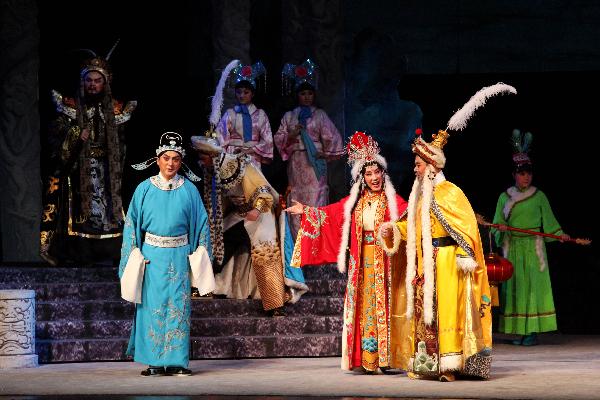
x=526, y=299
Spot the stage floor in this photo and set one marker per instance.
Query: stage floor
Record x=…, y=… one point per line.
x=562, y=367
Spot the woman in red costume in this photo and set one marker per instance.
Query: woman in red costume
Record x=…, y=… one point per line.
x=344, y=232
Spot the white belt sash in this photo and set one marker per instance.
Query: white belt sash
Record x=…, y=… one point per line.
x=166, y=241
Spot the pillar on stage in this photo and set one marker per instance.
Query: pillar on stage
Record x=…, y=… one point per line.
x=17, y=329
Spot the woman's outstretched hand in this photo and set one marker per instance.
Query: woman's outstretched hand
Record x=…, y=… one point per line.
x=295, y=208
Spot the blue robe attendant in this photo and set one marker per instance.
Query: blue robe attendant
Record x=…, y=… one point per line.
x=160, y=335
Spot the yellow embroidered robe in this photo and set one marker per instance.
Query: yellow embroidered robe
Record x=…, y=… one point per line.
x=460, y=337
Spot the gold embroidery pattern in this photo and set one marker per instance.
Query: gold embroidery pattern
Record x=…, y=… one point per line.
x=262, y=205
x=244, y=208
x=49, y=212
x=380, y=289
x=349, y=306
x=267, y=265
x=316, y=219
x=45, y=238
x=72, y=137
x=52, y=185
x=297, y=254
x=232, y=170
x=368, y=316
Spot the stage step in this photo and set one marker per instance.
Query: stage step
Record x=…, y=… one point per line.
x=85, y=291
x=215, y=347
x=209, y=308
x=43, y=273
x=200, y=327
x=80, y=317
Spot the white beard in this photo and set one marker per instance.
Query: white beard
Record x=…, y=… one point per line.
x=422, y=189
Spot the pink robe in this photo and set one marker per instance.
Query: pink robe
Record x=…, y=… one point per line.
x=230, y=134
x=303, y=182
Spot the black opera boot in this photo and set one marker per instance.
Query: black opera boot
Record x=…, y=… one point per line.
x=178, y=371
x=153, y=371
x=277, y=312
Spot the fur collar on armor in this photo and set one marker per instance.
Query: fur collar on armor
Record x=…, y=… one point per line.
x=68, y=107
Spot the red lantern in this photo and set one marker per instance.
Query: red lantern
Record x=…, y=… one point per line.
x=499, y=269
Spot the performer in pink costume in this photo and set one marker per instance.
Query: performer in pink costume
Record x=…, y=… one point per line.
x=306, y=139
x=245, y=128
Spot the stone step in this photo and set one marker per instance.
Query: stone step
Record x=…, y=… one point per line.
x=45, y=292
x=41, y=273
x=101, y=310
x=84, y=310
x=77, y=350
x=80, y=317
x=329, y=271
x=48, y=274
x=319, y=345
x=200, y=327
x=315, y=345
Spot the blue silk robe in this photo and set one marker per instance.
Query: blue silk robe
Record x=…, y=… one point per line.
x=160, y=334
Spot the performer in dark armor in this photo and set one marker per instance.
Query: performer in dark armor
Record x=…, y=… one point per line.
x=83, y=211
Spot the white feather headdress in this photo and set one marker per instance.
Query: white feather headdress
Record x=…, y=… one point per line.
x=217, y=99
x=432, y=152
x=459, y=120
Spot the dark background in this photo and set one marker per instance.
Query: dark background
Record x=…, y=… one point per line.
x=434, y=54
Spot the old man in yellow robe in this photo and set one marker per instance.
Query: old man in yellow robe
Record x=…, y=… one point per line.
x=442, y=321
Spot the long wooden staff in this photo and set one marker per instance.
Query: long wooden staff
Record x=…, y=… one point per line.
x=482, y=221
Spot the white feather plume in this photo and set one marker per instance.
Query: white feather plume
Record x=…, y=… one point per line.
x=217, y=100
x=459, y=120
x=112, y=49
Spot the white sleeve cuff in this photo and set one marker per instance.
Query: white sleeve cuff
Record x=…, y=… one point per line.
x=203, y=277
x=466, y=263
x=396, y=238
x=133, y=277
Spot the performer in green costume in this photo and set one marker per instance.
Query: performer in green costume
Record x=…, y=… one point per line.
x=526, y=298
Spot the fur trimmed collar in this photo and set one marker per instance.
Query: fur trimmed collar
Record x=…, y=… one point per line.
x=515, y=196
x=439, y=178
x=355, y=191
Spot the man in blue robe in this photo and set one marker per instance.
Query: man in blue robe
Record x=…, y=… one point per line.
x=166, y=249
